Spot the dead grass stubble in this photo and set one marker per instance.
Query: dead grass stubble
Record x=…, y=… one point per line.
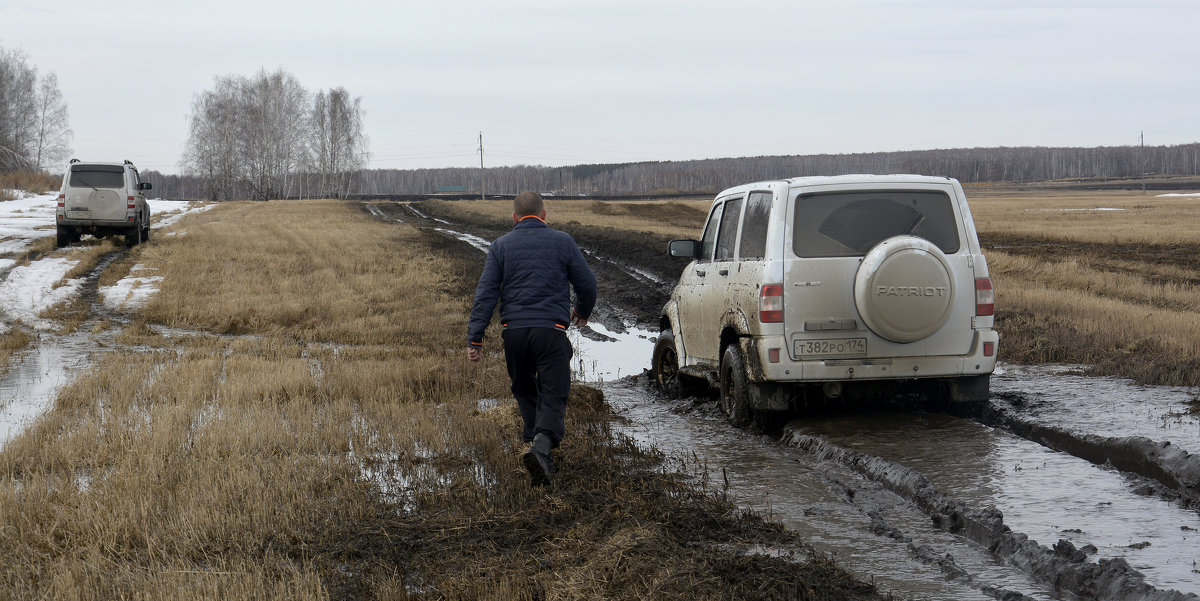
x=1114, y=289
x=320, y=438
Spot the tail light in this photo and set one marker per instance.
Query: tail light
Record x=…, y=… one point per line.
x=62, y=200
x=770, y=303
x=130, y=200
x=985, y=297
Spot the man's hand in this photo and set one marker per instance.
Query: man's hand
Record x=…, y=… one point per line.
x=578, y=321
x=474, y=353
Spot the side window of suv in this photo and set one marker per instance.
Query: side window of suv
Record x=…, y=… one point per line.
x=754, y=226
x=728, y=235
x=709, y=241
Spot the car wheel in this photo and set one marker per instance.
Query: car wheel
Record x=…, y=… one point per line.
x=664, y=369
x=64, y=237
x=132, y=235
x=735, y=387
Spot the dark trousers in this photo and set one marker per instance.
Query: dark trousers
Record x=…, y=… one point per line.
x=539, y=365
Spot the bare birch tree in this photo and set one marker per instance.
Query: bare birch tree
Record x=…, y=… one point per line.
x=211, y=152
x=338, y=142
x=52, y=140
x=18, y=107
x=266, y=137
x=34, y=127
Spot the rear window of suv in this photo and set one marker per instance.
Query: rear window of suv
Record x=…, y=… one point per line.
x=848, y=224
x=97, y=176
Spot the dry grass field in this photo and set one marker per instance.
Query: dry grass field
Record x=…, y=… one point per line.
x=292, y=417
x=1103, y=278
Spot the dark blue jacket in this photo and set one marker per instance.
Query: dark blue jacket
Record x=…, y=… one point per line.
x=531, y=271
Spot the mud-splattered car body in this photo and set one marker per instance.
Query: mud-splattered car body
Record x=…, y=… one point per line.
x=831, y=285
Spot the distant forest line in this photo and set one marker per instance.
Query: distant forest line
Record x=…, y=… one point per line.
x=708, y=176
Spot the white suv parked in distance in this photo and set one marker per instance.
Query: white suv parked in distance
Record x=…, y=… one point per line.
x=102, y=199
x=819, y=288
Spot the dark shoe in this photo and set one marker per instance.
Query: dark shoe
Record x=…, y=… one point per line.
x=540, y=461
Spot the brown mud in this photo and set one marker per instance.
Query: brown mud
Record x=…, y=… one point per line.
x=636, y=277
x=624, y=255
x=616, y=523
x=1139, y=259
x=1063, y=565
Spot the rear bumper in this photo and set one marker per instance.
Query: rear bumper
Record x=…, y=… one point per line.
x=128, y=222
x=880, y=368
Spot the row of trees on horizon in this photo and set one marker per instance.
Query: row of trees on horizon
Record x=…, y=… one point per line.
x=266, y=137
x=708, y=176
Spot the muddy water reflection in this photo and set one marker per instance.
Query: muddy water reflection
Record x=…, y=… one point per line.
x=825, y=503
x=1113, y=407
x=1044, y=494
x=34, y=378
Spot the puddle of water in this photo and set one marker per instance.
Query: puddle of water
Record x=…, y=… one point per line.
x=627, y=353
x=1109, y=407
x=640, y=275
x=418, y=213
x=811, y=499
x=471, y=239
x=34, y=378
x=1043, y=494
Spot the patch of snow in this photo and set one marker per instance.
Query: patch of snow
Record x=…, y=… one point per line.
x=1180, y=194
x=24, y=220
x=29, y=289
x=164, y=213
x=132, y=291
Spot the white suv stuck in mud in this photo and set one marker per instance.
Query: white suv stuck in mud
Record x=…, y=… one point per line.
x=102, y=199
x=820, y=288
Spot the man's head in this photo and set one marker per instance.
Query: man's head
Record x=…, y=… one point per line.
x=528, y=203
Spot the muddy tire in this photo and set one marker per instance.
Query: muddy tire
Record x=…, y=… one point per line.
x=735, y=387
x=133, y=236
x=664, y=369
x=64, y=237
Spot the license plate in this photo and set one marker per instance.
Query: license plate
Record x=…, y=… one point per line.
x=831, y=347
x=78, y=215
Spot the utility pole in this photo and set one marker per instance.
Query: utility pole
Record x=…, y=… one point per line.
x=1142, y=152
x=482, y=173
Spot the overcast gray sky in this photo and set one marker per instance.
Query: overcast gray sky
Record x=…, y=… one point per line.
x=568, y=82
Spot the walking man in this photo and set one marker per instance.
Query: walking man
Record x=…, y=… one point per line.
x=530, y=271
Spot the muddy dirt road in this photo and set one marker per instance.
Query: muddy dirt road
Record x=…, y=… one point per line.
x=1064, y=487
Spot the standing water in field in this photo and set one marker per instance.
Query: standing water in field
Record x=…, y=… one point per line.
x=882, y=536
x=34, y=378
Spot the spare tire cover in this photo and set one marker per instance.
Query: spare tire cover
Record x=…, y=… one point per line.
x=904, y=289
